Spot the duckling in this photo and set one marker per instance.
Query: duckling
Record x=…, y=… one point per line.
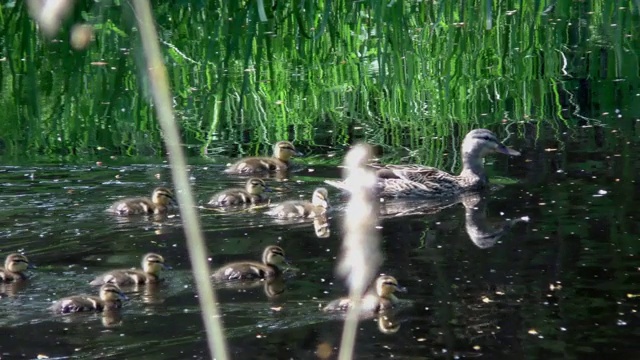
x=110, y=298
x=272, y=259
x=252, y=193
x=303, y=209
x=372, y=302
x=282, y=153
x=161, y=202
x=14, y=267
x=401, y=181
x=152, y=264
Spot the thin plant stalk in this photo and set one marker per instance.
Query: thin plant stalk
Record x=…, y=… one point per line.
x=195, y=242
x=360, y=256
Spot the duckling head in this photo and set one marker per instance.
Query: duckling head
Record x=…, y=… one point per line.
x=482, y=142
x=256, y=186
x=284, y=150
x=386, y=285
x=17, y=263
x=153, y=263
x=163, y=196
x=273, y=255
x=320, y=198
x=111, y=292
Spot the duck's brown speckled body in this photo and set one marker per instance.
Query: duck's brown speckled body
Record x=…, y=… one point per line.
x=251, y=194
x=272, y=259
x=110, y=298
x=14, y=267
x=428, y=182
x=161, y=202
x=301, y=208
x=282, y=153
x=152, y=264
x=382, y=298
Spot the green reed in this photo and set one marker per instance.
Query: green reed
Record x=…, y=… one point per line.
x=406, y=72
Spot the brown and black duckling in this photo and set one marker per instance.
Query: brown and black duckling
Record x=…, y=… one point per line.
x=110, y=298
x=381, y=298
x=272, y=259
x=161, y=202
x=152, y=264
x=282, y=153
x=14, y=267
x=301, y=208
x=401, y=181
x=251, y=194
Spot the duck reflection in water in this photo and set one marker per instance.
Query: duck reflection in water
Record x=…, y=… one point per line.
x=321, y=227
x=388, y=322
x=12, y=289
x=272, y=287
x=476, y=225
x=481, y=232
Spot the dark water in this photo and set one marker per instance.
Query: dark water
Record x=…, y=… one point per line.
x=558, y=286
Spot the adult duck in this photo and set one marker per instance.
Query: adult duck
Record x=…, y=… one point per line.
x=401, y=181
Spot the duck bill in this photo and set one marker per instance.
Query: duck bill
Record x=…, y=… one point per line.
x=507, y=150
x=267, y=189
x=123, y=297
x=31, y=266
x=401, y=289
x=167, y=267
x=298, y=153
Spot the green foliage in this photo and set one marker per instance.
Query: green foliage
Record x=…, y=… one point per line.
x=328, y=72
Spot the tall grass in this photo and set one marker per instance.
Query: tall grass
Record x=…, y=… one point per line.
x=159, y=89
x=404, y=72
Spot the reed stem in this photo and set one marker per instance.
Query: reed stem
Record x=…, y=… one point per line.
x=195, y=242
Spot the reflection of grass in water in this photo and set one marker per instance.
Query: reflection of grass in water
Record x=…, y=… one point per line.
x=412, y=73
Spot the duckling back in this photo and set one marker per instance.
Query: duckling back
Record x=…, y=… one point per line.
x=161, y=202
x=272, y=258
x=303, y=209
x=125, y=277
x=151, y=263
x=258, y=164
x=371, y=303
x=296, y=209
x=248, y=270
x=282, y=152
x=110, y=298
x=133, y=206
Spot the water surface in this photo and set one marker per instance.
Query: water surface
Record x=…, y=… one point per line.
x=555, y=286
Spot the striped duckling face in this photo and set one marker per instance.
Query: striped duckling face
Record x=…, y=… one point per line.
x=273, y=255
x=111, y=293
x=284, y=150
x=483, y=142
x=256, y=186
x=386, y=285
x=163, y=197
x=320, y=198
x=153, y=263
x=17, y=263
